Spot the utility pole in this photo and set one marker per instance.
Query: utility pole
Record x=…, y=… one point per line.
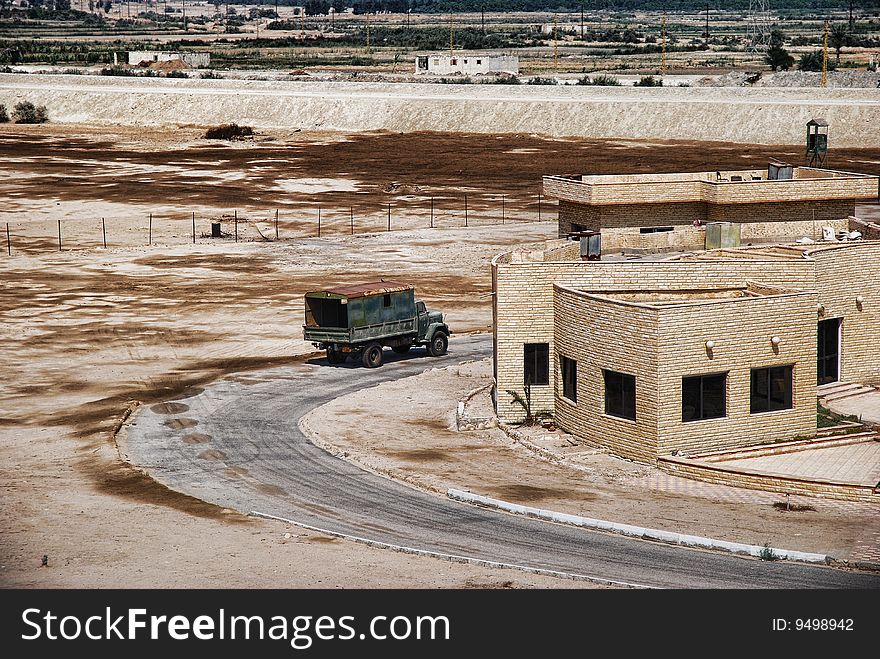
x=663, y=46
x=368, y=33
x=825, y=56
x=582, y=20
x=851, y=24
x=450, y=36
x=555, y=47
x=184, y=16
x=707, y=25
x=483, y=18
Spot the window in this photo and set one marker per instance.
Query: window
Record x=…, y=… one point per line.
x=536, y=363
x=479, y=61
x=704, y=397
x=654, y=229
x=620, y=395
x=771, y=389
x=569, y=368
x=386, y=301
x=453, y=61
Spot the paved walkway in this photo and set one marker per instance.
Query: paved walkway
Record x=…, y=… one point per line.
x=852, y=463
x=866, y=406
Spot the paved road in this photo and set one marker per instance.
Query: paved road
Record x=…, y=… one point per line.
x=252, y=456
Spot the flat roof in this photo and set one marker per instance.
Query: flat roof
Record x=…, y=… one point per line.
x=680, y=297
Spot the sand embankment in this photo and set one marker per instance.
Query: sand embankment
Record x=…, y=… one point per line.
x=756, y=115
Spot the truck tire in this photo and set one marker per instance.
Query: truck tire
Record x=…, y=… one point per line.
x=372, y=355
x=439, y=343
x=335, y=356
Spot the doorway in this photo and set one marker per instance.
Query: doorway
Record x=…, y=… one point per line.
x=828, y=351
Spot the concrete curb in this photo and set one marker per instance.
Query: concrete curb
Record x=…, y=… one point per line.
x=449, y=557
x=640, y=532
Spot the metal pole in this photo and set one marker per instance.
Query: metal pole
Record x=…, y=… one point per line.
x=319, y=221
x=150, y=231
x=59, y=235
x=194, y=228
x=235, y=217
x=104, y=232
x=502, y=209
x=432, y=211
x=351, y=218
x=276, y=224
x=539, y=207
x=389, y=217
x=465, y=210
x=8, y=241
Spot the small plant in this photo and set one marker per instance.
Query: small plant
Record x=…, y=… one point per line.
x=503, y=80
x=456, y=81
x=72, y=72
x=767, y=553
x=229, y=132
x=176, y=74
x=4, y=116
x=813, y=62
x=648, y=81
x=524, y=401
x=210, y=75
x=537, y=80
x=599, y=81
x=28, y=113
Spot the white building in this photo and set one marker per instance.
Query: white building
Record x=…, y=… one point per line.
x=466, y=63
x=195, y=60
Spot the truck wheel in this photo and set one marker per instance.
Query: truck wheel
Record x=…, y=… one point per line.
x=402, y=349
x=372, y=356
x=336, y=357
x=438, y=345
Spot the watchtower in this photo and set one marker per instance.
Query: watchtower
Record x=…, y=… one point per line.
x=817, y=141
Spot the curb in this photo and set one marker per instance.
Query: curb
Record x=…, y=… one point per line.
x=766, y=553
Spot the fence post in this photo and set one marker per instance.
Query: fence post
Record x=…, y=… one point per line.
x=150, y=231
x=104, y=232
x=235, y=219
x=389, y=216
x=351, y=218
x=8, y=241
x=194, y=228
x=432, y=212
x=319, y=221
x=59, y=235
x=465, y=211
x=502, y=209
x=276, y=224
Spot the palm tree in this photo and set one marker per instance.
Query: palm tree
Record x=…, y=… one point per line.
x=838, y=37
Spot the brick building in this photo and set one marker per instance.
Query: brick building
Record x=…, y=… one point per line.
x=663, y=211
x=710, y=350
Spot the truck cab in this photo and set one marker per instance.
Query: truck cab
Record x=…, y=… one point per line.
x=360, y=320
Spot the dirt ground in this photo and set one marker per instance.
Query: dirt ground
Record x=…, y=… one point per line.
x=418, y=442
x=87, y=330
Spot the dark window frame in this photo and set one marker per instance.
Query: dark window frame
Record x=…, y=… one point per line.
x=620, y=394
x=536, y=362
x=700, y=409
x=568, y=377
x=763, y=401
x=386, y=301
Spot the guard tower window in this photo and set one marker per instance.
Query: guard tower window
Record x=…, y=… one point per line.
x=771, y=389
x=479, y=61
x=386, y=301
x=620, y=395
x=704, y=397
x=536, y=363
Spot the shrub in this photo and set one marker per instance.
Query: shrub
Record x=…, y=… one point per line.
x=648, y=81
x=176, y=74
x=813, y=62
x=229, y=132
x=210, y=75
x=28, y=113
x=503, y=80
x=537, y=80
x=778, y=58
x=599, y=81
x=4, y=116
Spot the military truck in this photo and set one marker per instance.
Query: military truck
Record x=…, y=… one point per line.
x=359, y=321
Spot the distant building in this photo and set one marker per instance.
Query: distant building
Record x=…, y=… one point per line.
x=466, y=63
x=195, y=60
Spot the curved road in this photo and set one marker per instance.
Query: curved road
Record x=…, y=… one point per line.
x=246, y=452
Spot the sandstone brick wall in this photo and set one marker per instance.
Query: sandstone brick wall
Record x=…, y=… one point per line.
x=605, y=335
x=869, y=230
x=741, y=329
x=795, y=211
x=524, y=300
x=844, y=273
